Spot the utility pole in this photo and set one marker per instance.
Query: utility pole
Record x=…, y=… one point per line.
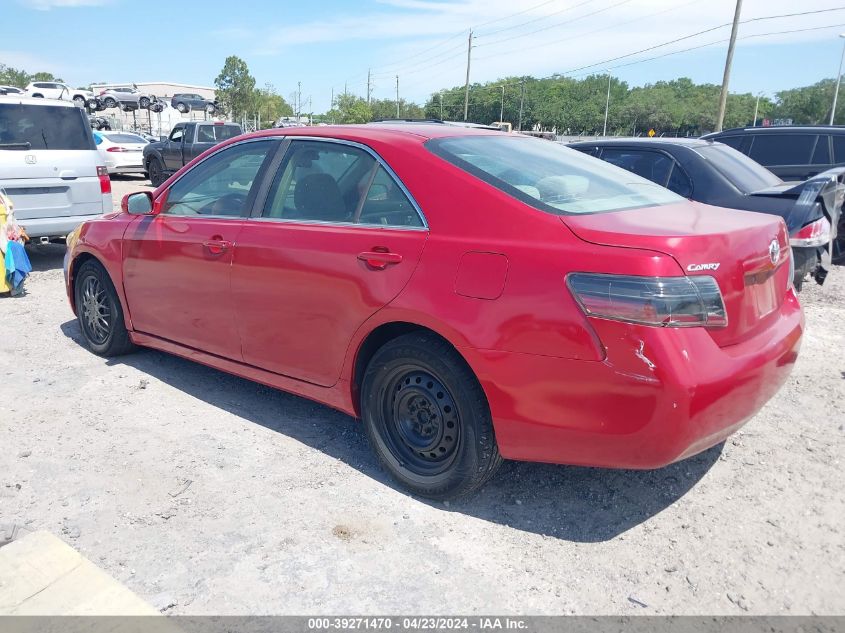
x=606, y=104
x=838, y=79
x=298, y=100
x=726, y=78
x=397, y=96
x=441, y=105
x=756, y=109
x=521, y=101
x=502, y=109
x=466, y=87
x=369, y=88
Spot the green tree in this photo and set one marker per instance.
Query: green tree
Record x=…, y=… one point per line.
x=810, y=104
x=348, y=108
x=270, y=106
x=13, y=77
x=235, y=88
x=386, y=109
x=44, y=76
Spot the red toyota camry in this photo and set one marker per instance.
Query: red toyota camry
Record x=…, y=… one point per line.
x=471, y=295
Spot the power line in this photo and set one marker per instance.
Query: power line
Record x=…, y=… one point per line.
x=513, y=15
x=692, y=35
x=537, y=19
x=552, y=26
x=422, y=52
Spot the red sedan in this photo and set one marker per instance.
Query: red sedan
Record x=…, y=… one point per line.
x=471, y=295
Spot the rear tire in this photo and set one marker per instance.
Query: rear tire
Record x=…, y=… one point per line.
x=99, y=312
x=156, y=172
x=427, y=418
x=144, y=103
x=110, y=102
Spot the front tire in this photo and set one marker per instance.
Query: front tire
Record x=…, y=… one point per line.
x=427, y=418
x=110, y=102
x=144, y=103
x=99, y=312
x=181, y=107
x=79, y=101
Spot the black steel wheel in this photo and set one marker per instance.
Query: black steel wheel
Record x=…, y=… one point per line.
x=427, y=417
x=98, y=311
x=155, y=172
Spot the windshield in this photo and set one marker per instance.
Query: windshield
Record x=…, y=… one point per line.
x=24, y=126
x=549, y=176
x=742, y=172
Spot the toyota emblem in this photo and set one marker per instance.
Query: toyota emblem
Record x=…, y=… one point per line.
x=774, y=251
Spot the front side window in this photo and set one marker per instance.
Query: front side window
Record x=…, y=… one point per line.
x=549, y=176
x=221, y=184
x=782, y=149
x=177, y=134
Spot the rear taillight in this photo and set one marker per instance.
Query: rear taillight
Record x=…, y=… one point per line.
x=814, y=234
x=105, y=182
x=116, y=149
x=790, y=283
x=661, y=301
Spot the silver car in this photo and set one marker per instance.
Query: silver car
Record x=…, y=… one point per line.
x=50, y=167
x=126, y=96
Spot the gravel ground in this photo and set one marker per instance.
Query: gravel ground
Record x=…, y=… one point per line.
x=209, y=494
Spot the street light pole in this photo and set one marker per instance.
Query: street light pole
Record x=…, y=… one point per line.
x=607, y=104
x=502, y=109
x=757, y=108
x=838, y=79
x=466, y=86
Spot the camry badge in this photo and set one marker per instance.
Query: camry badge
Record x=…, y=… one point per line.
x=694, y=268
x=774, y=251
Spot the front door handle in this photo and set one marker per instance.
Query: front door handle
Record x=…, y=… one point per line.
x=217, y=246
x=379, y=259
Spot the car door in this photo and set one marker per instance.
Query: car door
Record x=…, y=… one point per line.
x=177, y=264
x=335, y=239
x=172, y=152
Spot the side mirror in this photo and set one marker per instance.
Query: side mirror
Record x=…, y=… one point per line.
x=140, y=203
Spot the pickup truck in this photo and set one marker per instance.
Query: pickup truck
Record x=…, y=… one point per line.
x=186, y=141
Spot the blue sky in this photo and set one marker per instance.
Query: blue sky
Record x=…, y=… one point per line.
x=327, y=44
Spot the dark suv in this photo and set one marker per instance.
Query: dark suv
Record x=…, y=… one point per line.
x=794, y=152
x=187, y=101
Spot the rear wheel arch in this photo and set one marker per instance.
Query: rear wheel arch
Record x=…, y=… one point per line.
x=378, y=338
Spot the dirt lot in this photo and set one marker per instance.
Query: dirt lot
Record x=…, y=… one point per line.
x=208, y=494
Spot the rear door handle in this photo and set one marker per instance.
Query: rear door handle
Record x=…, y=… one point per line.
x=217, y=247
x=378, y=259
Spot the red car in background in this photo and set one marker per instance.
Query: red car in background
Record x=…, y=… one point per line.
x=471, y=295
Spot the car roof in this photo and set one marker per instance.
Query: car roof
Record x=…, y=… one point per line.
x=772, y=129
x=382, y=131
x=653, y=142
x=36, y=101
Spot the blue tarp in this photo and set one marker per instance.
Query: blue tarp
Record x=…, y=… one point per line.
x=17, y=264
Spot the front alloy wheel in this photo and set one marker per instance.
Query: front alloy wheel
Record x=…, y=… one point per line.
x=98, y=311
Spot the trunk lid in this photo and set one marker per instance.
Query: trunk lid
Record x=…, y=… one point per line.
x=747, y=253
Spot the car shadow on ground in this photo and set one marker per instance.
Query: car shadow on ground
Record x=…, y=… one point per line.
x=571, y=503
x=45, y=257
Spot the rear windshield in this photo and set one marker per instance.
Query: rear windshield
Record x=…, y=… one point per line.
x=25, y=127
x=217, y=133
x=550, y=177
x=125, y=138
x=742, y=172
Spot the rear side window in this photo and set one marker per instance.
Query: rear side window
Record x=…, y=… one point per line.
x=782, y=149
x=679, y=182
x=217, y=133
x=732, y=141
x=839, y=148
x=24, y=126
x=821, y=155
x=652, y=166
x=548, y=176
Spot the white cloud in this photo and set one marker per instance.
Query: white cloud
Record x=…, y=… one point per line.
x=46, y=5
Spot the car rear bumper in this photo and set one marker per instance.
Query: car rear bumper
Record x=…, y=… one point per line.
x=126, y=169
x=660, y=395
x=55, y=227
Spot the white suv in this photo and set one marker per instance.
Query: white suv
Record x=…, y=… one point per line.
x=56, y=90
x=50, y=167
